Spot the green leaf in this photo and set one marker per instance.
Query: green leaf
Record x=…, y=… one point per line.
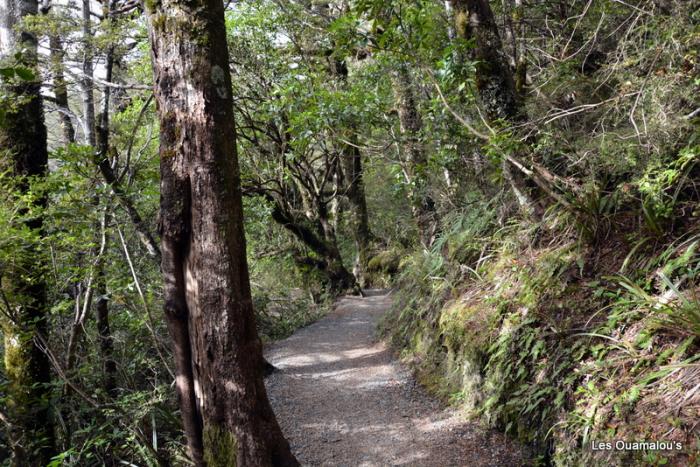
x=7, y=72
x=25, y=74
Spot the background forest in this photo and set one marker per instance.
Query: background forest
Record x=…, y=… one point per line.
x=523, y=174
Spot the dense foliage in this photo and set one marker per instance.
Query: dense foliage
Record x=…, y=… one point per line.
x=528, y=189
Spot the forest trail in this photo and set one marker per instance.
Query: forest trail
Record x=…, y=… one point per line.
x=342, y=399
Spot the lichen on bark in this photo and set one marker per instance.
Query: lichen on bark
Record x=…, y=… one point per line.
x=220, y=446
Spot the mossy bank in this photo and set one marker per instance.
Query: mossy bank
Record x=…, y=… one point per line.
x=514, y=325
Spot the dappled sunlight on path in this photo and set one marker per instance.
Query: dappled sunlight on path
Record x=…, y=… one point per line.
x=342, y=399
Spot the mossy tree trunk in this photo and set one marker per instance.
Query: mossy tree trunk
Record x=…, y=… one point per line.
x=351, y=171
x=495, y=82
x=354, y=187
x=329, y=262
x=23, y=141
x=227, y=417
x=359, y=217
x=494, y=77
x=422, y=203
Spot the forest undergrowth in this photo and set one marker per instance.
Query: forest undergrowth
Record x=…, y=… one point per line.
x=528, y=338
x=523, y=175
x=582, y=327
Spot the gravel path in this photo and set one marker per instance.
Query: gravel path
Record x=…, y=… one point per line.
x=343, y=400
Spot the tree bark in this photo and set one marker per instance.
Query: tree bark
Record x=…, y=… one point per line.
x=27, y=367
x=495, y=82
x=60, y=89
x=100, y=138
x=351, y=163
x=359, y=217
x=520, y=62
x=109, y=366
x=226, y=415
x=140, y=225
x=338, y=278
x=86, y=81
x=494, y=78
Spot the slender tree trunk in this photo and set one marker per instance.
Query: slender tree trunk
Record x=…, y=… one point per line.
x=422, y=203
x=148, y=240
x=359, y=218
x=60, y=89
x=102, y=126
x=104, y=338
x=98, y=136
x=105, y=165
x=109, y=365
x=449, y=12
x=495, y=83
x=109, y=368
x=226, y=415
x=86, y=81
x=520, y=59
x=27, y=367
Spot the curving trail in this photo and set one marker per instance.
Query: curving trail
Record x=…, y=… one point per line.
x=343, y=400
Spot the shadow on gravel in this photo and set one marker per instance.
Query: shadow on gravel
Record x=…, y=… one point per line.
x=343, y=400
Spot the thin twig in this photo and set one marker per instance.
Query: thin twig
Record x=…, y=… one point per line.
x=133, y=136
x=150, y=324
x=459, y=118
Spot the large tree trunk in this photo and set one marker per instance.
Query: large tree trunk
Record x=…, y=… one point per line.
x=226, y=415
x=27, y=367
x=422, y=203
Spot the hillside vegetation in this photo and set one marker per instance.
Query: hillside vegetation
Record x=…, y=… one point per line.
x=182, y=181
x=582, y=326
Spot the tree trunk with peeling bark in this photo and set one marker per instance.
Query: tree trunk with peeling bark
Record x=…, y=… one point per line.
x=227, y=417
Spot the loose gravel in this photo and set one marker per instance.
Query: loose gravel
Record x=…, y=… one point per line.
x=342, y=399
